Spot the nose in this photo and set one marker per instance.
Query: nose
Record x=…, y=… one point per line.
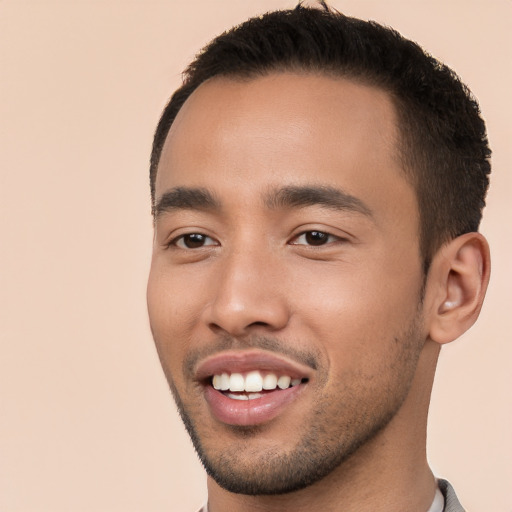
x=248, y=295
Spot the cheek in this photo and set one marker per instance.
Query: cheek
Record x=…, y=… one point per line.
x=173, y=296
x=356, y=314
x=172, y=308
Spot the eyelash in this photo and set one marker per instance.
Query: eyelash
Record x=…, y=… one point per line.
x=176, y=241
x=179, y=241
x=328, y=237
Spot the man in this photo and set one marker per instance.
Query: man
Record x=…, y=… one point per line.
x=317, y=186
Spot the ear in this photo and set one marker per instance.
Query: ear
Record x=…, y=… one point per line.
x=457, y=283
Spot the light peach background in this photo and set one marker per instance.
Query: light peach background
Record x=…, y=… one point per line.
x=86, y=419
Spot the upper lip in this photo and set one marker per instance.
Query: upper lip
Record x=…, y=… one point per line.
x=247, y=360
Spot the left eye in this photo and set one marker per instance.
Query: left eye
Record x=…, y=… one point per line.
x=315, y=238
x=193, y=241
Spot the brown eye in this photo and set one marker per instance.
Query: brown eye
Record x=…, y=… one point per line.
x=193, y=241
x=316, y=237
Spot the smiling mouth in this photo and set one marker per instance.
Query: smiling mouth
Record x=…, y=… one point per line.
x=253, y=384
x=251, y=387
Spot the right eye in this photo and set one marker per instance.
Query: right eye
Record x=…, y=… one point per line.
x=193, y=241
x=315, y=238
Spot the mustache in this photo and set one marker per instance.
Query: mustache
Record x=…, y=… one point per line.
x=306, y=357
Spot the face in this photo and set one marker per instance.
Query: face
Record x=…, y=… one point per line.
x=285, y=287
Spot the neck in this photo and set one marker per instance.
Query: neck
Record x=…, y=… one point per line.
x=388, y=473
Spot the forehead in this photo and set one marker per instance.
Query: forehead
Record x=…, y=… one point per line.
x=283, y=129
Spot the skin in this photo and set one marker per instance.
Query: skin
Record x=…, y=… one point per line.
x=358, y=305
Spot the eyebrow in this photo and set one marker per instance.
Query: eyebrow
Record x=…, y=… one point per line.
x=304, y=196
x=185, y=198
x=197, y=198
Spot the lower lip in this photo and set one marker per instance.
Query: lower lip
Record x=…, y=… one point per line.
x=250, y=412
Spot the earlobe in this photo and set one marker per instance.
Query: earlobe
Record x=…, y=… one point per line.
x=457, y=282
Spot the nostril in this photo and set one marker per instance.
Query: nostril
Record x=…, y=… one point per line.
x=238, y=330
x=259, y=324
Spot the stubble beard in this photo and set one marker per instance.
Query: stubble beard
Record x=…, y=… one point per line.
x=341, y=422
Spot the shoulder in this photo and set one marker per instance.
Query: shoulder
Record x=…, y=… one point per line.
x=452, y=504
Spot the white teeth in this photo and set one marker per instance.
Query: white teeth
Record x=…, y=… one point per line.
x=252, y=383
x=250, y=396
x=284, y=382
x=238, y=397
x=236, y=382
x=270, y=381
x=224, y=382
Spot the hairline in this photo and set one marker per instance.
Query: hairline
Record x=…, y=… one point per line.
x=402, y=153
x=404, y=149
